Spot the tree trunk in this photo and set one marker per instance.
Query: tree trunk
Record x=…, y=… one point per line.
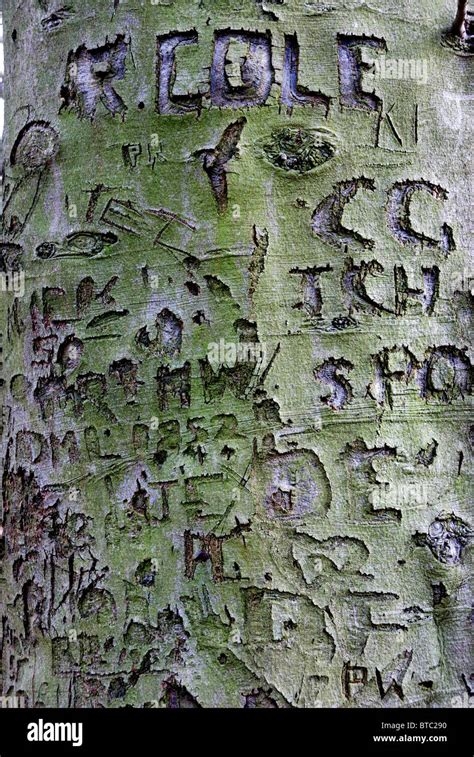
x=235, y=319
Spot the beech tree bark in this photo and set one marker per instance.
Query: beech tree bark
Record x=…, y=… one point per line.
x=236, y=373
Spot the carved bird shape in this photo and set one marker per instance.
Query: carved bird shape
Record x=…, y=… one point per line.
x=215, y=160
